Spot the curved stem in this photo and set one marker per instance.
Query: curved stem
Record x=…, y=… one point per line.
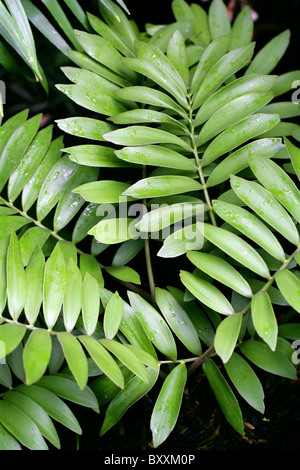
x=199, y=166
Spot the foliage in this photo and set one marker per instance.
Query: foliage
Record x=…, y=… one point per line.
x=182, y=119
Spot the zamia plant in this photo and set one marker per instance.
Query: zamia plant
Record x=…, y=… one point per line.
x=183, y=119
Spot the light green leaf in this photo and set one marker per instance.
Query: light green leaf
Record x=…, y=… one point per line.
x=220, y=270
x=264, y=319
x=118, y=21
x=124, y=273
x=284, y=82
x=178, y=321
x=289, y=286
x=112, y=231
x=276, y=180
x=7, y=441
x=141, y=135
x=294, y=153
x=271, y=361
x=269, y=56
x=237, y=134
x=201, y=26
x=73, y=296
x=157, y=186
x=224, y=395
x=33, y=237
x=90, y=303
x=36, y=355
x=238, y=160
x=177, y=55
x=55, y=279
x=127, y=251
x=249, y=225
x=180, y=241
x=102, y=192
x=35, y=279
x=235, y=247
x=207, y=293
x=227, y=335
x=155, y=155
x=10, y=335
x=94, y=155
x=89, y=264
x=88, y=128
x=227, y=66
x=16, y=278
x=219, y=23
x=242, y=29
x=113, y=316
x=266, y=206
x=32, y=188
x=154, y=325
x=245, y=381
x=4, y=244
x=75, y=357
x=167, y=406
x=103, y=360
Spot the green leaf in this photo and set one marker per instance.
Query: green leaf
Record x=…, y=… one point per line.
x=90, y=303
x=117, y=20
x=70, y=202
x=135, y=389
x=224, y=395
x=180, y=241
x=36, y=413
x=231, y=113
x=35, y=279
x=237, y=88
x=36, y=355
x=266, y=206
x=32, y=188
x=142, y=135
x=89, y=264
x=88, y=128
x=153, y=97
x=220, y=270
x=87, y=219
x=54, y=186
x=154, y=325
x=211, y=55
x=249, y=225
x=219, y=23
x=285, y=109
x=138, y=116
x=178, y=321
x=177, y=55
x=237, y=134
x=16, y=146
x=239, y=160
x=269, y=56
x=276, y=180
x=11, y=125
x=110, y=35
x=143, y=356
x=7, y=441
x=4, y=243
x=264, y=319
x=33, y=237
x=10, y=335
x=124, y=273
x=75, y=358
x=16, y=278
x=105, y=390
x=207, y=293
x=103, y=360
x=127, y=251
x=113, y=316
x=102, y=192
x=55, y=280
x=201, y=26
x=94, y=155
x=29, y=162
x=167, y=406
x=242, y=29
x=157, y=186
x=271, y=361
x=235, y=247
x=21, y=426
x=52, y=405
x=112, y=231
x=284, y=82
x=227, y=66
x=245, y=381
x=127, y=357
x=289, y=286
x=294, y=153
x=227, y=335
x=158, y=219
x=73, y=296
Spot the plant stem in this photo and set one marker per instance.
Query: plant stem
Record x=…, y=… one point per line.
x=148, y=256
x=199, y=166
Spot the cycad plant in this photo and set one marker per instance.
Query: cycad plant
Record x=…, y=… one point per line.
x=187, y=153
